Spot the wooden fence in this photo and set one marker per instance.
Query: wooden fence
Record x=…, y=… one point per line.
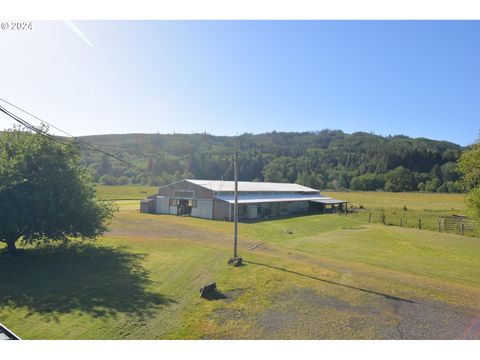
x=459, y=224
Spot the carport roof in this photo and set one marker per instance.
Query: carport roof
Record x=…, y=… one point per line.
x=329, y=201
x=265, y=198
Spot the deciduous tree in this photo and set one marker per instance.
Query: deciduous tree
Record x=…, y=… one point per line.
x=45, y=195
x=469, y=166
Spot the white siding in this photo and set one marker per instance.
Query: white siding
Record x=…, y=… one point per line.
x=204, y=209
x=162, y=205
x=173, y=210
x=252, y=212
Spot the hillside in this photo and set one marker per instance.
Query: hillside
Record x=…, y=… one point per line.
x=324, y=159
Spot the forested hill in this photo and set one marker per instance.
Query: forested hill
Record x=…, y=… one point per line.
x=324, y=159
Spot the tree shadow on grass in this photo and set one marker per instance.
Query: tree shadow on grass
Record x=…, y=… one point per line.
x=100, y=281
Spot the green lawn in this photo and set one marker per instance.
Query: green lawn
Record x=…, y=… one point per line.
x=404, y=209
x=412, y=200
x=133, y=192
x=318, y=276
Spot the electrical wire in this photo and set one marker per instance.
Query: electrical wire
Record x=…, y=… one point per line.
x=86, y=145
x=222, y=179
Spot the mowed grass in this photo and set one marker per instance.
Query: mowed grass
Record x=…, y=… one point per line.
x=404, y=209
x=312, y=277
x=412, y=200
x=133, y=192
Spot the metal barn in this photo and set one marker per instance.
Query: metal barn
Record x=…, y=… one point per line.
x=214, y=199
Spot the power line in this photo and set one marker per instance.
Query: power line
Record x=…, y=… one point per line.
x=223, y=176
x=51, y=137
x=36, y=117
x=84, y=145
x=32, y=127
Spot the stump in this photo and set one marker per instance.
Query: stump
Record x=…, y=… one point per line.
x=209, y=291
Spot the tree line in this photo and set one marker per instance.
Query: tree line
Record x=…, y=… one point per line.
x=46, y=194
x=322, y=159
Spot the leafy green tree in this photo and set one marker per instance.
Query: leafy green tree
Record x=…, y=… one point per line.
x=449, y=171
x=433, y=185
x=308, y=179
x=104, y=168
x=44, y=193
x=282, y=169
x=469, y=166
x=367, y=182
x=108, y=180
x=399, y=179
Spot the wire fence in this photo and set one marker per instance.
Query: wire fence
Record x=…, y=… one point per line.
x=424, y=220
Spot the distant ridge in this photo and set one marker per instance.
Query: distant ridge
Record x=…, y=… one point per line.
x=318, y=159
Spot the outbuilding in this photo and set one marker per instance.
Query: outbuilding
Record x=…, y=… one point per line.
x=214, y=199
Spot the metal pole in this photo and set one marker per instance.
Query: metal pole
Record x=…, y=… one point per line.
x=235, y=209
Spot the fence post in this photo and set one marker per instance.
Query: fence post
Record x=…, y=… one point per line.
x=462, y=228
x=401, y=221
x=420, y=223
x=438, y=224
x=369, y=216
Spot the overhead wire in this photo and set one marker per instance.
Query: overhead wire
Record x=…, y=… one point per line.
x=82, y=144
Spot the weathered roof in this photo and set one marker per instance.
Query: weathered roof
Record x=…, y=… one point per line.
x=220, y=186
x=263, y=198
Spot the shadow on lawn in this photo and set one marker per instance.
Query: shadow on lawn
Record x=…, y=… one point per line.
x=81, y=277
x=386, y=296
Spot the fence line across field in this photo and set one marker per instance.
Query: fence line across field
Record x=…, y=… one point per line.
x=458, y=224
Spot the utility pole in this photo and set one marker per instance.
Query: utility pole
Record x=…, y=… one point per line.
x=236, y=260
x=235, y=206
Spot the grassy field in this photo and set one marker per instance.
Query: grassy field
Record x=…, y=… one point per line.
x=136, y=192
x=311, y=277
x=403, y=209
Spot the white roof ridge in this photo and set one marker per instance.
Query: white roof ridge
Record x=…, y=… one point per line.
x=228, y=185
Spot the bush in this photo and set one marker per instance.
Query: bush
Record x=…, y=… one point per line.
x=108, y=180
x=367, y=182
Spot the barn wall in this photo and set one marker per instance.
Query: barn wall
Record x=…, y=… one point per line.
x=147, y=206
x=221, y=210
x=199, y=192
x=204, y=209
x=162, y=205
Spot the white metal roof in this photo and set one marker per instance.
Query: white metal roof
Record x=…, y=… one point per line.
x=220, y=186
x=329, y=201
x=263, y=198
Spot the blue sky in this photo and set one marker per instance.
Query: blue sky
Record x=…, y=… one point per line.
x=416, y=78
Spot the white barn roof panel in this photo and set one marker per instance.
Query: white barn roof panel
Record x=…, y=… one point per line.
x=250, y=186
x=264, y=198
